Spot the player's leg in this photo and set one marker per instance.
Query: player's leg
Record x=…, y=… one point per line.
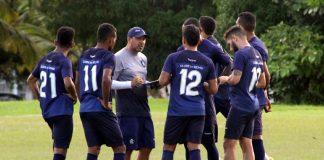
x=110, y=133
x=62, y=135
x=130, y=130
x=173, y=133
x=146, y=138
x=246, y=138
x=194, y=134
x=208, y=138
x=91, y=135
x=257, y=140
x=235, y=125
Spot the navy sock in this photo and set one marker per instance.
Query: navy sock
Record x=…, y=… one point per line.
x=119, y=156
x=212, y=151
x=258, y=148
x=92, y=156
x=58, y=157
x=167, y=155
x=194, y=155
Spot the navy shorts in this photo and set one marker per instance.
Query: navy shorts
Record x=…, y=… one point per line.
x=258, y=122
x=180, y=129
x=210, y=132
x=222, y=105
x=138, y=132
x=239, y=124
x=101, y=128
x=62, y=129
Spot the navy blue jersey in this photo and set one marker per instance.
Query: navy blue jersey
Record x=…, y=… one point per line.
x=223, y=90
x=217, y=55
x=51, y=71
x=243, y=95
x=259, y=46
x=188, y=69
x=90, y=67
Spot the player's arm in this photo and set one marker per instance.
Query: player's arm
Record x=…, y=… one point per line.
x=106, y=86
x=164, y=78
x=233, y=79
x=211, y=86
x=77, y=84
x=261, y=82
x=32, y=83
x=267, y=74
x=70, y=88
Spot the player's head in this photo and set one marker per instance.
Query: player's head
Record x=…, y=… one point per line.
x=190, y=35
x=208, y=25
x=191, y=20
x=233, y=36
x=136, y=39
x=247, y=21
x=65, y=37
x=107, y=34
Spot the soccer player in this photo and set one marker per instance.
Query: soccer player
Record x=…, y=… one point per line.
x=247, y=21
x=132, y=107
x=56, y=92
x=216, y=54
x=93, y=83
x=247, y=74
x=187, y=70
x=221, y=98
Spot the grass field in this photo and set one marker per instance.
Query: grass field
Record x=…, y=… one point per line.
x=290, y=132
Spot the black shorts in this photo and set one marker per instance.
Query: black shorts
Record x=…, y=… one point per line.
x=62, y=129
x=222, y=105
x=138, y=132
x=180, y=129
x=239, y=124
x=101, y=128
x=210, y=133
x=258, y=122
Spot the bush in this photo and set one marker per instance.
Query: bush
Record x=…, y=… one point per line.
x=296, y=63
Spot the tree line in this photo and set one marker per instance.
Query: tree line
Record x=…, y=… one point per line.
x=292, y=31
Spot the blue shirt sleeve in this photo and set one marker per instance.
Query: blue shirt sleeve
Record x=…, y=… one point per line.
x=66, y=70
x=36, y=71
x=219, y=56
x=167, y=67
x=212, y=71
x=263, y=53
x=238, y=63
x=109, y=61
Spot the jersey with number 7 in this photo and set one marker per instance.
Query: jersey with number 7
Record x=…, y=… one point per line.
x=90, y=68
x=188, y=69
x=243, y=95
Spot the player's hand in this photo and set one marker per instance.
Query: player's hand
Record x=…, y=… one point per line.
x=137, y=81
x=107, y=105
x=155, y=84
x=267, y=108
x=73, y=99
x=222, y=79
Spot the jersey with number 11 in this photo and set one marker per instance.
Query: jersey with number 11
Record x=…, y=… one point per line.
x=188, y=69
x=90, y=67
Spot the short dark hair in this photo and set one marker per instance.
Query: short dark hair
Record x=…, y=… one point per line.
x=192, y=20
x=247, y=20
x=64, y=36
x=208, y=24
x=191, y=34
x=105, y=30
x=234, y=30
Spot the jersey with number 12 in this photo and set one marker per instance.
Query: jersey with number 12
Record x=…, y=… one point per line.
x=188, y=69
x=90, y=67
x=51, y=71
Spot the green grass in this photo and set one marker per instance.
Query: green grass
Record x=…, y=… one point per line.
x=290, y=133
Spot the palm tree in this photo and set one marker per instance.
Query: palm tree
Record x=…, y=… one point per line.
x=21, y=32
